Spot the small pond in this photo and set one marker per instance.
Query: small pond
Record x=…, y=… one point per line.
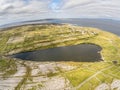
x=78, y=53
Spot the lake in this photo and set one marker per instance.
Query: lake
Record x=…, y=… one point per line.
x=78, y=53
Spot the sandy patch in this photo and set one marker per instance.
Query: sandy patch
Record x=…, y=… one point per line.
x=103, y=86
x=15, y=39
x=115, y=84
x=56, y=83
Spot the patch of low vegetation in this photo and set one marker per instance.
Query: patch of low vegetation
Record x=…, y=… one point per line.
x=51, y=74
x=7, y=67
x=79, y=75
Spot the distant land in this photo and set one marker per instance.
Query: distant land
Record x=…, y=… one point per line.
x=105, y=24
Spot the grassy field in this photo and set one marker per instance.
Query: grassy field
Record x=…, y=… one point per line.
x=86, y=75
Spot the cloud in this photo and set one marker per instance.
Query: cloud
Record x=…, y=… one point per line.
x=19, y=10
x=93, y=8
x=20, y=6
x=74, y=3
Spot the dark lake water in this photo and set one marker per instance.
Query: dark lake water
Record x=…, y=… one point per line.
x=79, y=53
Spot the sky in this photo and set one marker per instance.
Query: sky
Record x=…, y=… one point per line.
x=24, y=10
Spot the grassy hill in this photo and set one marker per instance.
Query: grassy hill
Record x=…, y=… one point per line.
x=74, y=75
